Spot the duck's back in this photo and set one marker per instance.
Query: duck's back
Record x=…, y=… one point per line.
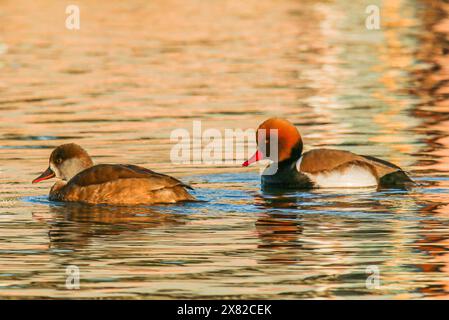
x=121, y=185
x=330, y=167
x=320, y=168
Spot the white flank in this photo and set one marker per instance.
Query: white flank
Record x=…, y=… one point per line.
x=298, y=164
x=351, y=177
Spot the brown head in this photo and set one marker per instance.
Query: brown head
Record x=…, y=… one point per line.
x=66, y=161
x=288, y=140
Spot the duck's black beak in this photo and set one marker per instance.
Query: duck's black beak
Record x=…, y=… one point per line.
x=47, y=174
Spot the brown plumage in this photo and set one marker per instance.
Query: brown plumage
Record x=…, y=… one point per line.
x=328, y=159
x=320, y=168
x=118, y=184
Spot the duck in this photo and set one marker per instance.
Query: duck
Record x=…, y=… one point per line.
x=318, y=168
x=79, y=180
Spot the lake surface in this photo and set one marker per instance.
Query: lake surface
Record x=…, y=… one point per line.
x=137, y=70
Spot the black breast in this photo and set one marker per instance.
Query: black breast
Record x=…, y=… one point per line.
x=285, y=177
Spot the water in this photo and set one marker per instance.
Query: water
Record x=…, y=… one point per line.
x=137, y=70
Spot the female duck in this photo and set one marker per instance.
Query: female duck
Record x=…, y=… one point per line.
x=118, y=184
x=319, y=168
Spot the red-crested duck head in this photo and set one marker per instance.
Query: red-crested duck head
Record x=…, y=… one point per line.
x=65, y=162
x=289, y=141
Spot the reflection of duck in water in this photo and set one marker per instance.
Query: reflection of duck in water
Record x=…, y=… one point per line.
x=319, y=168
x=279, y=229
x=119, y=184
x=291, y=227
x=75, y=224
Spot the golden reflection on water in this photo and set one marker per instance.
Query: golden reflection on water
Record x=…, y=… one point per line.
x=137, y=70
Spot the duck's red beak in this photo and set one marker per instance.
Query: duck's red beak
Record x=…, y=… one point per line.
x=256, y=157
x=47, y=174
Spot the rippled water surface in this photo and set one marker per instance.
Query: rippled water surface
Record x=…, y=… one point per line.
x=136, y=70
